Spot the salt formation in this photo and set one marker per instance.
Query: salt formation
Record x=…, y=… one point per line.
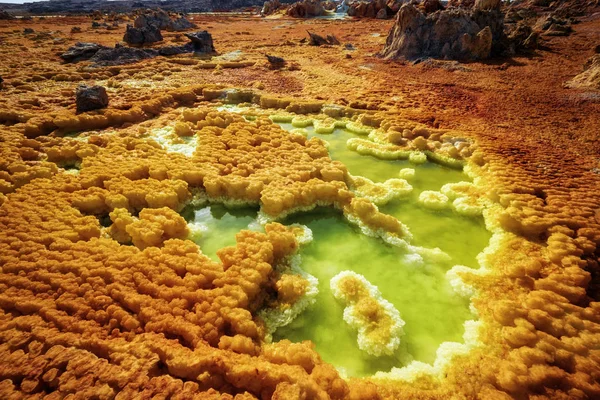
x=378, y=323
x=83, y=315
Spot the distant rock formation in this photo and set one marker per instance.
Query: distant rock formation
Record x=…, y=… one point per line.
x=306, y=9
x=200, y=42
x=270, y=7
x=81, y=51
x=163, y=21
x=141, y=36
x=5, y=15
x=455, y=34
x=374, y=8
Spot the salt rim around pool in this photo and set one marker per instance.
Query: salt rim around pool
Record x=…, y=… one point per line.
x=393, y=190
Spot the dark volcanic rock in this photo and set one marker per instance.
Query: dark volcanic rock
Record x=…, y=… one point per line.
x=522, y=37
x=1, y=83
x=275, y=62
x=100, y=56
x=122, y=55
x=159, y=19
x=431, y=6
x=455, y=34
x=318, y=40
x=175, y=50
x=270, y=6
x=81, y=51
x=28, y=31
x=162, y=20
x=5, y=16
x=202, y=41
x=306, y=9
x=90, y=98
x=373, y=8
x=181, y=24
x=141, y=36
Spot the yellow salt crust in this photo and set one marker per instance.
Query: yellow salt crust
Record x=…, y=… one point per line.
x=282, y=314
x=406, y=173
x=377, y=321
x=444, y=356
x=433, y=200
x=379, y=193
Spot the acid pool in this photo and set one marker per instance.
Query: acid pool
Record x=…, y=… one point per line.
x=433, y=312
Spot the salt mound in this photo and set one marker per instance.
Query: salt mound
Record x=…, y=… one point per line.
x=378, y=323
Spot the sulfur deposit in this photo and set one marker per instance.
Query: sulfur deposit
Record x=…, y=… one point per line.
x=465, y=200
x=378, y=323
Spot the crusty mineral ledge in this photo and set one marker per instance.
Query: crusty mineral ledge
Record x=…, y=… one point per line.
x=82, y=313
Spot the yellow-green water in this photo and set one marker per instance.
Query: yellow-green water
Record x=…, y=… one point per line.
x=432, y=311
x=219, y=225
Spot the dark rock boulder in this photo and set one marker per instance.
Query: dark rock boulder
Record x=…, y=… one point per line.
x=90, y=98
x=455, y=34
x=275, y=62
x=1, y=83
x=431, y=6
x=140, y=36
x=306, y=9
x=202, y=41
x=270, y=7
x=166, y=51
x=181, y=24
x=159, y=19
x=522, y=38
x=5, y=15
x=122, y=55
x=380, y=9
x=28, y=31
x=318, y=40
x=81, y=51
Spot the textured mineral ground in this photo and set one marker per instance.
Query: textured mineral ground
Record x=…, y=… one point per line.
x=349, y=200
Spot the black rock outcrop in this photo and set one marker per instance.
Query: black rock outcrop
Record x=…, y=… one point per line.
x=141, y=36
x=202, y=41
x=90, y=98
x=81, y=51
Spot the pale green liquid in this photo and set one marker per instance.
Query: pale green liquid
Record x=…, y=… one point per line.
x=221, y=223
x=432, y=311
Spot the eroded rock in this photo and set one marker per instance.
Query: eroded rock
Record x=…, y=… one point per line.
x=306, y=9
x=275, y=62
x=590, y=77
x=81, y=51
x=140, y=36
x=89, y=98
x=455, y=34
x=5, y=15
x=373, y=8
x=202, y=41
x=318, y=40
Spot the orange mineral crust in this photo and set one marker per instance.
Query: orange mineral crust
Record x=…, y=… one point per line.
x=103, y=295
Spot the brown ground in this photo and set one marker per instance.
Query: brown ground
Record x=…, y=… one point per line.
x=539, y=152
